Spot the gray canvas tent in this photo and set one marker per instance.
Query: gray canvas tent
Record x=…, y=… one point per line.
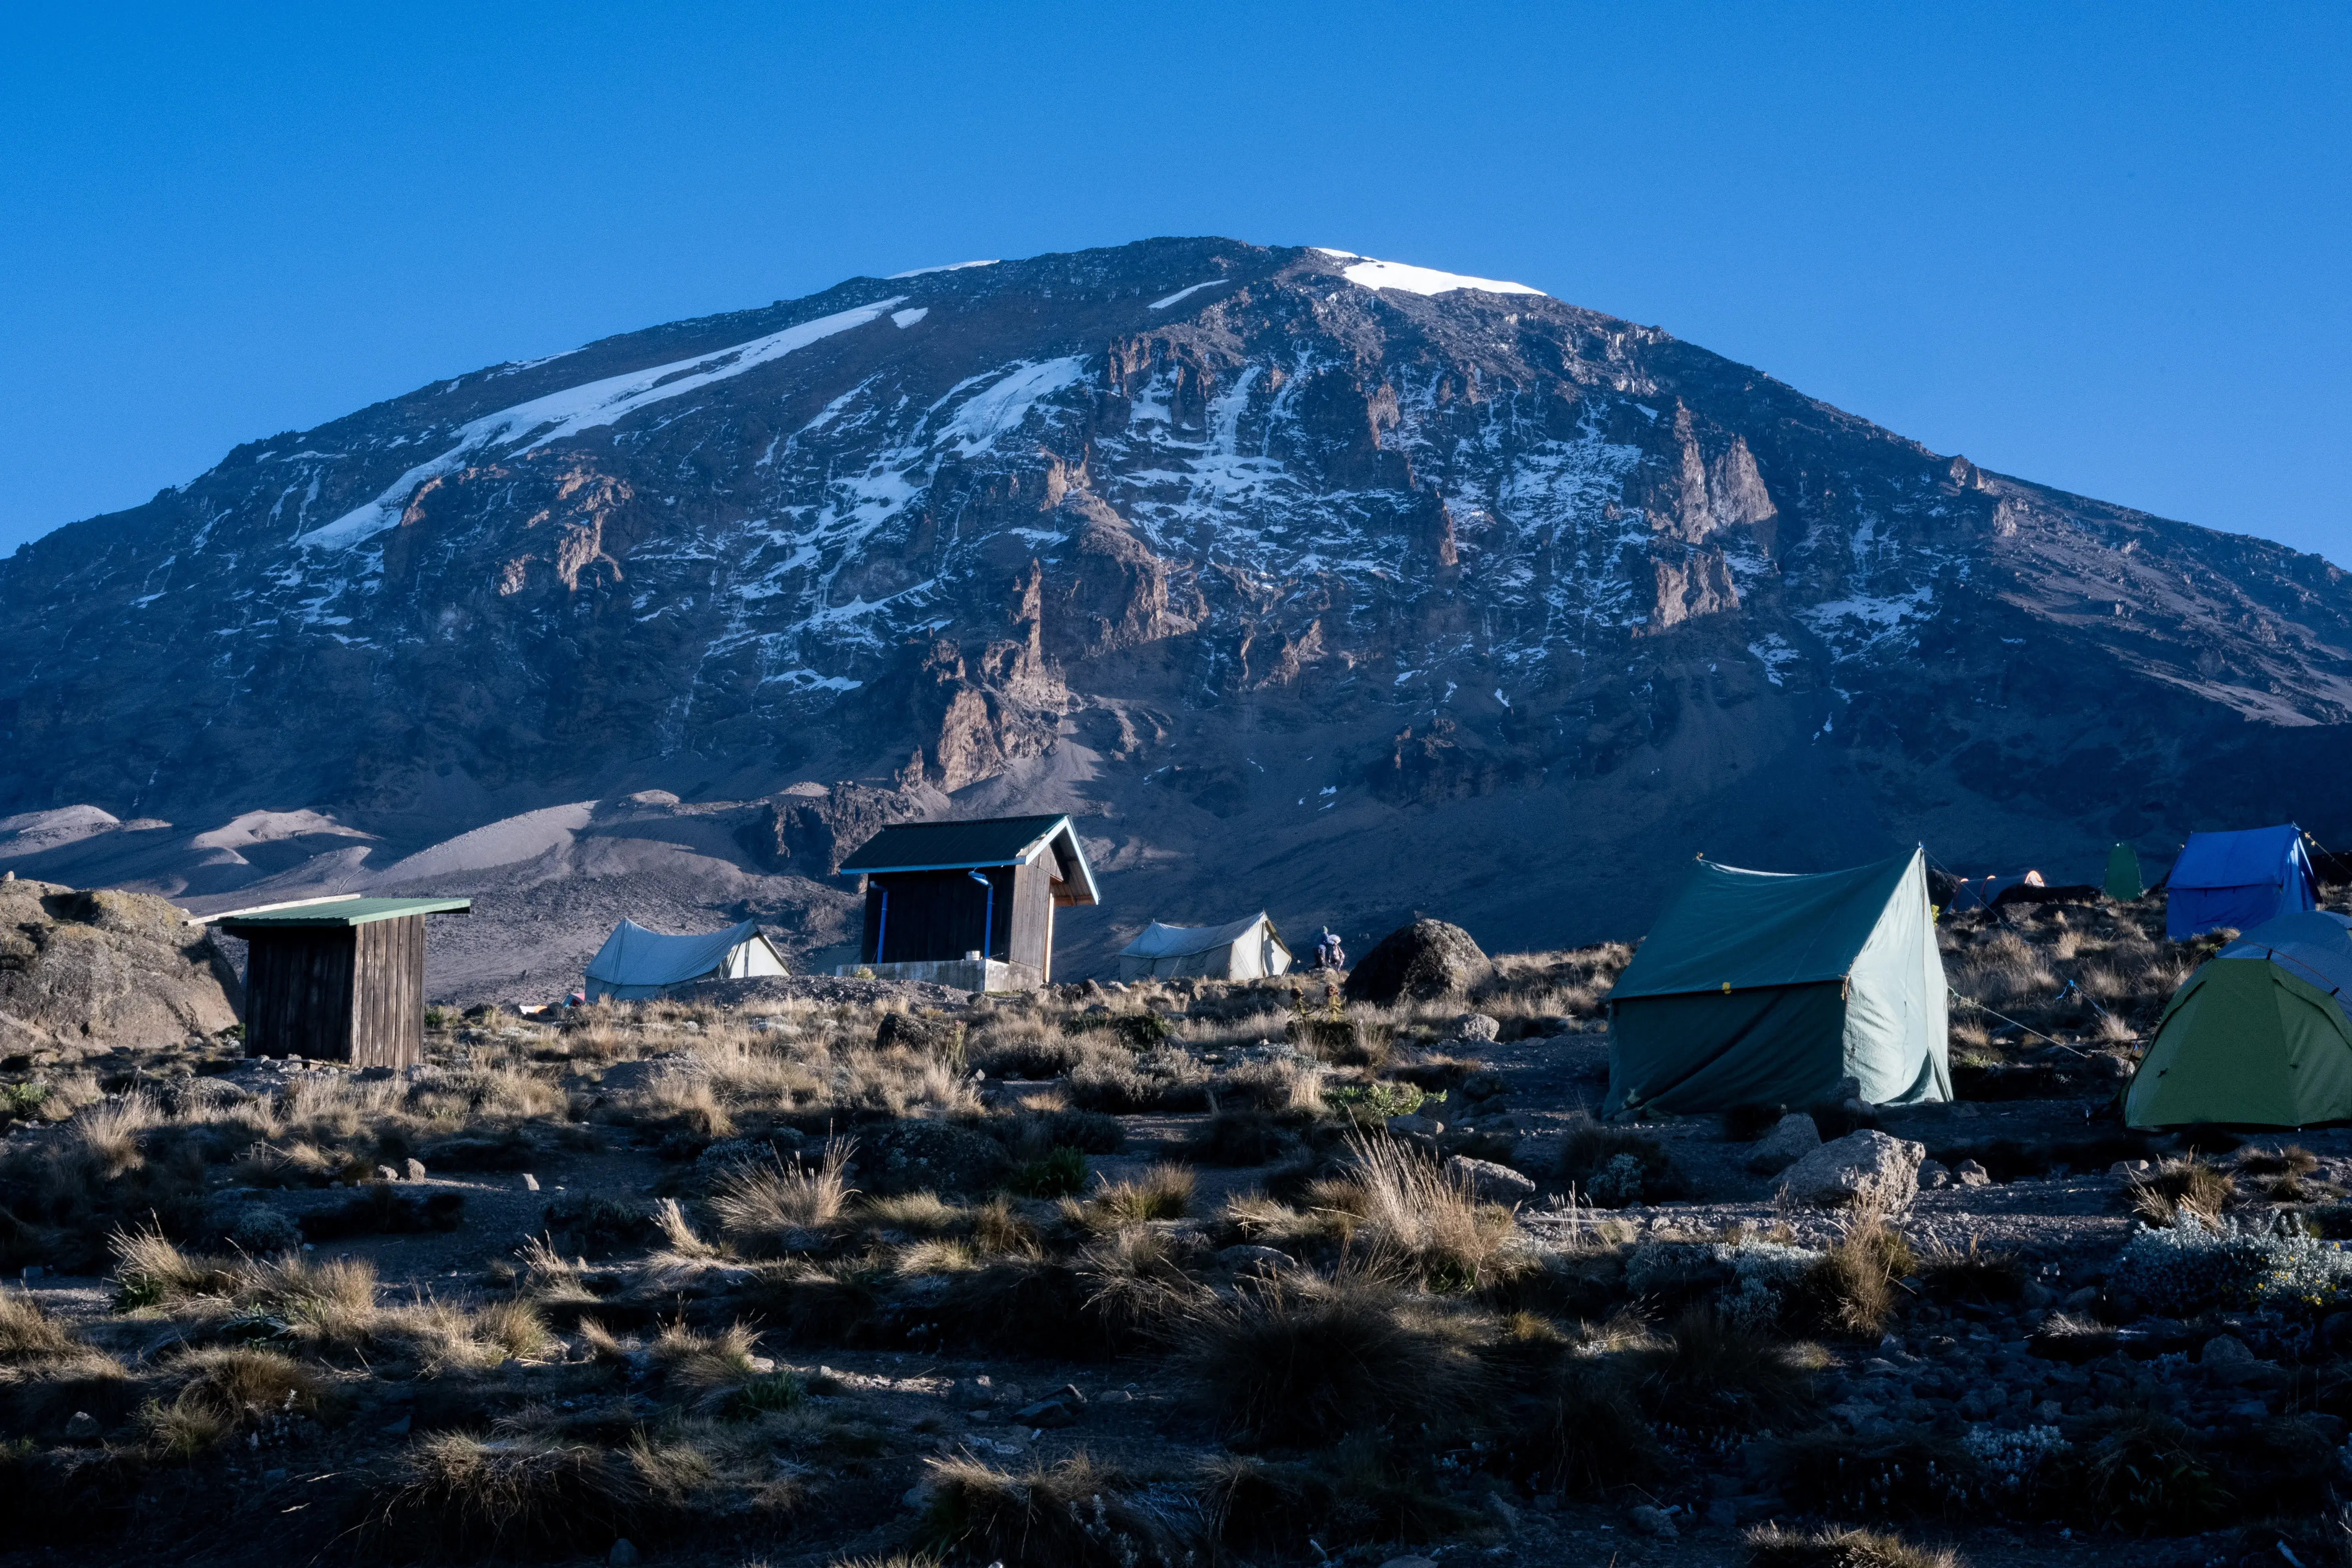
x=635, y=963
x=1245, y=949
x=1755, y=988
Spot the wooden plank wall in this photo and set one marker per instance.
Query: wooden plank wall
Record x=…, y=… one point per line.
x=298, y=993
x=1032, y=937
x=388, y=999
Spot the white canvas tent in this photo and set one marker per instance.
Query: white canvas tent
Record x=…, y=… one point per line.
x=1245, y=949
x=635, y=963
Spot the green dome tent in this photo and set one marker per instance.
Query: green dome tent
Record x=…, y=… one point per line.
x=2259, y=1037
x=1755, y=988
x=2123, y=881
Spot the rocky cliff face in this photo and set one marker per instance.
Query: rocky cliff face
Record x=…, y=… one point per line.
x=1319, y=581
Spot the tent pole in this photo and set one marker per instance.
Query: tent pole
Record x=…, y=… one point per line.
x=882, y=925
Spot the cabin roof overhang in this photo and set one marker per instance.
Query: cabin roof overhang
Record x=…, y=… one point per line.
x=979, y=846
x=339, y=913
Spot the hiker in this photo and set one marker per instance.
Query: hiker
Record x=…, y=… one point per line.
x=1329, y=954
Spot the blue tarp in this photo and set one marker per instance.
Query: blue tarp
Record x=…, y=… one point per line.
x=2238, y=879
x=2316, y=947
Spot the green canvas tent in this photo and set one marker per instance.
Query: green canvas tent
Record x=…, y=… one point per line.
x=2257, y=1038
x=1755, y=988
x=2124, y=883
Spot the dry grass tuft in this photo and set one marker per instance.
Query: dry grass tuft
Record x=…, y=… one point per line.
x=2194, y=1185
x=1303, y=1358
x=1769, y=1546
x=1413, y=1211
x=1163, y=1191
x=29, y=1335
x=1852, y=1287
x=228, y=1389
x=464, y=1496
x=760, y=1205
x=1074, y=1514
x=699, y=1362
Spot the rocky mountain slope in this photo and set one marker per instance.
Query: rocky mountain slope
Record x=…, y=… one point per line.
x=1330, y=585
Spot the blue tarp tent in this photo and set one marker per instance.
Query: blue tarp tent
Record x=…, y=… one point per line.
x=2239, y=879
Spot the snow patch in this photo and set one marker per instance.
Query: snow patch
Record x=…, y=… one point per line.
x=578, y=408
x=991, y=413
x=907, y=318
x=1184, y=294
x=1774, y=654
x=951, y=267
x=1369, y=274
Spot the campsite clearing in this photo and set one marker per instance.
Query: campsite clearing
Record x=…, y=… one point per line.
x=810, y=1270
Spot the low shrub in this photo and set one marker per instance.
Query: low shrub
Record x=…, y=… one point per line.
x=1365, y=1490
x=1954, y=1274
x=1062, y=1173
x=1239, y=1137
x=2193, y=1264
x=1714, y=1374
x=1311, y=1359
x=1615, y=1166
x=460, y=1496
x=1076, y=1513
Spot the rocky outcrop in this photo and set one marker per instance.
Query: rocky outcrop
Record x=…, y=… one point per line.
x=101, y=969
x=1864, y=1166
x=1428, y=961
x=812, y=828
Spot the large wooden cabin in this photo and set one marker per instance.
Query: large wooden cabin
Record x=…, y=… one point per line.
x=969, y=904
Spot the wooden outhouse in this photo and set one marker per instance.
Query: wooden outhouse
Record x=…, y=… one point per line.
x=340, y=980
x=969, y=904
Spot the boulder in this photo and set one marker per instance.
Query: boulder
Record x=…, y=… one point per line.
x=1968, y=1173
x=1477, y=1027
x=104, y=968
x=81, y=1427
x=1415, y=1126
x=1492, y=1183
x=1933, y=1173
x=2227, y=1361
x=258, y=1230
x=1870, y=1161
x=928, y=1036
x=1648, y=1519
x=1427, y=961
x=1792, y=1138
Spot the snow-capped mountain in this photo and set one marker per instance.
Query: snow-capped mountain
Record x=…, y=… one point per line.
x=1332, y=584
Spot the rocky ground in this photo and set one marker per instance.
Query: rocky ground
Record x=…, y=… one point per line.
x=818, y=1272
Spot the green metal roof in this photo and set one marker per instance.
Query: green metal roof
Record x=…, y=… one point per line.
x=343, y=912
x=971, y=845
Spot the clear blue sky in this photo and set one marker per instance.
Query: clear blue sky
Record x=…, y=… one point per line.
x=2101, y=247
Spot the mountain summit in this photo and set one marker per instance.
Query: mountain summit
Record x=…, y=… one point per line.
x=1310, y=579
